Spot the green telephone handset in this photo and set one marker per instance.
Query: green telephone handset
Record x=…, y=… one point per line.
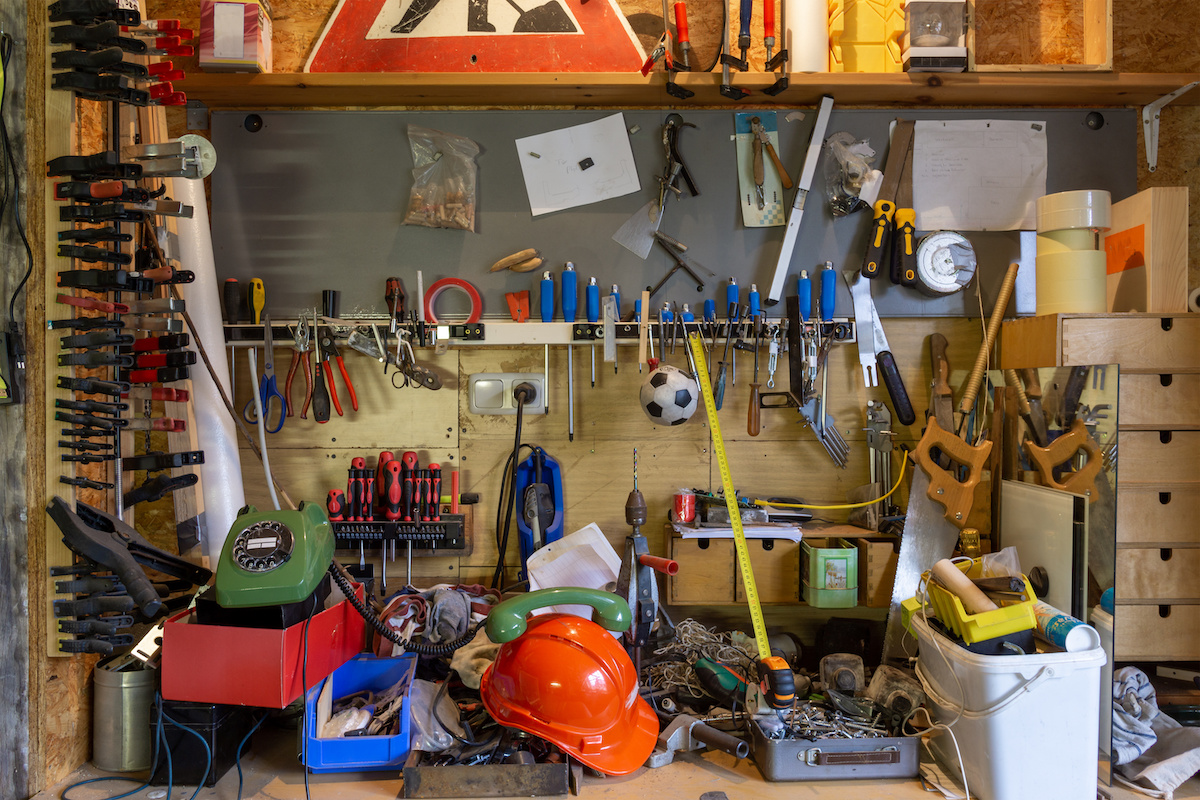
x=274, y=557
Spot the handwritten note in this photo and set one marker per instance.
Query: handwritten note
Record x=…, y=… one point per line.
x=978, y=175
x=579, y=165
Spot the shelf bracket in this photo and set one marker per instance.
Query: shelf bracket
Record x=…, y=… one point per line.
x=1150, y=115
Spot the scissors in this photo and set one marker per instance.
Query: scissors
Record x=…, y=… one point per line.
x=267, y=390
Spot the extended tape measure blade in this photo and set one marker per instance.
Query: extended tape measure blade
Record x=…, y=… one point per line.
x=735, y=514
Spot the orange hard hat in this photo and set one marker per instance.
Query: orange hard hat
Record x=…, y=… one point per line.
x=567, y=680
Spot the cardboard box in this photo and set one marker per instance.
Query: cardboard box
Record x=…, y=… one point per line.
x=1147, y=252
x=877, y=559
x=255, y=666
x=235, y=36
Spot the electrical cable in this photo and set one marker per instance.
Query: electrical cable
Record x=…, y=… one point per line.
x=437, y=699
x=207, y=753
x=10, y=162
x=237, y=757
x=895, y=486
x=422, y=648
x=508, y=482
x=262, y=425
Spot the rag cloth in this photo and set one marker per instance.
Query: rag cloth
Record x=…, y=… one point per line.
x=472, y=659
x=1164, y=753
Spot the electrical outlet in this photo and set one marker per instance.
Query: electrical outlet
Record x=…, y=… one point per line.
x=492, y=392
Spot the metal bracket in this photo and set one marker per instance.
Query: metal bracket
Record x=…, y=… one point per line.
x=197, y=116
x=1150, y=116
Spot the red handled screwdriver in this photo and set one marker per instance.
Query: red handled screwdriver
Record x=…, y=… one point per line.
x=423, y=491
x=408, y=462
x=368, y=513
x=356, y=488
x=392, y=491
x=384, y=458
x=435, y=492
x=335, y=504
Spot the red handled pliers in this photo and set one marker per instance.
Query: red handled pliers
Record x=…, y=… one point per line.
x=301, y=348
x=328, y=352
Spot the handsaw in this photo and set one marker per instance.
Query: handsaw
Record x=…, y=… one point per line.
x=930, y=533
x=1047, y=459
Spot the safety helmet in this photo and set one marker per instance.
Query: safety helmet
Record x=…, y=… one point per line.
x=567, y=680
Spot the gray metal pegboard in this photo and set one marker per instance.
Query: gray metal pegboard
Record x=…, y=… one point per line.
x=314, y=200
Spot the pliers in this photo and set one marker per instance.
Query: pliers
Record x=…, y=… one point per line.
x=675, y=166
x=328, y=352
x=301, y=348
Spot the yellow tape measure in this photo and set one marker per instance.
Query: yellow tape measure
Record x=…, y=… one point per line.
x=735, y=514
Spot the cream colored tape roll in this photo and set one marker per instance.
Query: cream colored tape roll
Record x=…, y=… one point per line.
x=1087, y=208
x=1072, y=283
x=806, y=23
x=1065, y=241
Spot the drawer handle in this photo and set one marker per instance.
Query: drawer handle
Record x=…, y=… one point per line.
x=1166, y=380
x=1165, y=554
x=1164, y=611
x=1164, y=498
x=1164, y=437
x=1167, y=323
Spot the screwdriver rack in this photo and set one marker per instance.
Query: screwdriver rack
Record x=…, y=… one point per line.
x=446, y=534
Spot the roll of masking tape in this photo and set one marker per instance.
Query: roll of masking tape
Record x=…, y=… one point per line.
x=1072, y=283
x=1194, y=301
x=1087, y=208
x=807, y=32
x=1066, y=241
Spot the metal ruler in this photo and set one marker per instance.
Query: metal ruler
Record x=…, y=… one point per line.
x=735, y=515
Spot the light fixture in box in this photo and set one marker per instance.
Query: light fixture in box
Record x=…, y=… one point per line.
x=935, y=36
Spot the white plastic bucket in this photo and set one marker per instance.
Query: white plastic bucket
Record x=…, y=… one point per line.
x=1029, y=724
x=1102, y=621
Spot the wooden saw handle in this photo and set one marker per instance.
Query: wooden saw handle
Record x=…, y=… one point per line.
x=957, y=497
x=1063, y=449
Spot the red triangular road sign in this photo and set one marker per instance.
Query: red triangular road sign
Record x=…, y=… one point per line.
x=476, y=36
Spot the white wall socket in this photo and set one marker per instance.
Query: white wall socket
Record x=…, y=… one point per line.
x=492, y=392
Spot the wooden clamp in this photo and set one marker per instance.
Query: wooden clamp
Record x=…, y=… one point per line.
x=956, y=496
x=1060, y=451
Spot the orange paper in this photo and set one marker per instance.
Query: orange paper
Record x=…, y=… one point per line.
x=1125, y=249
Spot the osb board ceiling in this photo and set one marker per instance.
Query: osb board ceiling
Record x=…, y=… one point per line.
x=1029, y=32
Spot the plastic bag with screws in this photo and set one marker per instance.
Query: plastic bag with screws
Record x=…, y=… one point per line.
x=444, y=171
x=848, y=166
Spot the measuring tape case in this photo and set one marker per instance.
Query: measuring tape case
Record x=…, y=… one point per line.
x=833, y=759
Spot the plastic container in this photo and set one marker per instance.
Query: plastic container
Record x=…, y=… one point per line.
x=829, y=570
x=1028, y=726
x=360, y=753
x=972, y=628
x=222, y=726
x=1102, y=621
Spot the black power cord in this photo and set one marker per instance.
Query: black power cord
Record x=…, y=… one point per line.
x=523, y=393
x=10, y=165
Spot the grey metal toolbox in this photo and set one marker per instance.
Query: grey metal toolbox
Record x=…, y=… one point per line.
x=833, y=759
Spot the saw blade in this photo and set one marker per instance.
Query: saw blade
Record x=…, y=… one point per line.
x=928, y=538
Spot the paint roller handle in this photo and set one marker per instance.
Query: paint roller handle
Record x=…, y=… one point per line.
x=993, y=328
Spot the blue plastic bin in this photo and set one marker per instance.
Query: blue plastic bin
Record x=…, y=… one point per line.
x=360, y=753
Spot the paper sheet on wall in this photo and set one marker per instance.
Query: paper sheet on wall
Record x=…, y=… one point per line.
x=579, y=165
x=978, y=175
x=584, y=558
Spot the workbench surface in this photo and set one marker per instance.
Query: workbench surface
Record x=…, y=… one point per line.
x=272, y=773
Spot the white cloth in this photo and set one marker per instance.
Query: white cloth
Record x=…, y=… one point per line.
x=1154, y=752
x=1134, y=710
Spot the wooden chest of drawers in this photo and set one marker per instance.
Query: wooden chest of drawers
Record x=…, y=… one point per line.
x=1158, y=467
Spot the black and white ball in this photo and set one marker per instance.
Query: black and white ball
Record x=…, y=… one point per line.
x=669, y=396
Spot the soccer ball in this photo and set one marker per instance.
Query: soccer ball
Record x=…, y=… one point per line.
x=669, y=396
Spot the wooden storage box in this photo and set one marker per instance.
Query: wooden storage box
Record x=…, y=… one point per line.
x=776, y=564
x=1147, y=252
x=1159, y=402
x=1156, y=632
x=706, y=571
x=1155, y=458
x=1159, y=515
x=1158, y=343
x=877, y=560
x=1153, y=574
x=1039, y=36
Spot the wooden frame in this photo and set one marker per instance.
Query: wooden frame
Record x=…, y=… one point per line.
x=1097, y=22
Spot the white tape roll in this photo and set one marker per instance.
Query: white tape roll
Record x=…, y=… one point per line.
x=1072, y=283
x=806, y=26
x=945, y=263
x=1066, y=241
x=1087, y=208
x=1194, y=301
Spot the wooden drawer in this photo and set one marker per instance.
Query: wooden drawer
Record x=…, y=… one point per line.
x=1162, y=515
x=1158, y=343
x=776, y=571
x=706, y=570
x=1156, y=633
x=1158, y=457
x=1159, y=402
x=1158, y=574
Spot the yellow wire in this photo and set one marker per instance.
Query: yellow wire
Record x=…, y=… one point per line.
x=899, y=478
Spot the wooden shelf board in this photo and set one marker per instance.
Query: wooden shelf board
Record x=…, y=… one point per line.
x=342, y=90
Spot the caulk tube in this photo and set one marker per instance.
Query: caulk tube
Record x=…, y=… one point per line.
x=1062, y=630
